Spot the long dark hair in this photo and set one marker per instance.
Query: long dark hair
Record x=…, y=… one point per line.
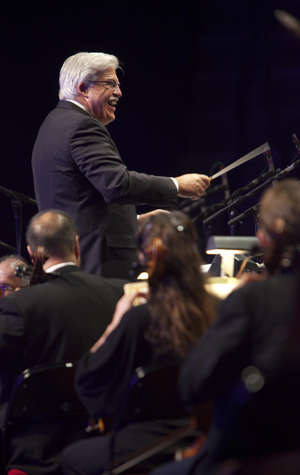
x=180, y=307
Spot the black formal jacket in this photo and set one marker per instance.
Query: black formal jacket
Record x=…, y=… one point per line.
x=55, y=321
x=58, y=320
x=101, y=377
x=77, y=168
x=248, y=363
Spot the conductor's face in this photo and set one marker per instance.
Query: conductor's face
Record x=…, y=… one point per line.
x=103, y=96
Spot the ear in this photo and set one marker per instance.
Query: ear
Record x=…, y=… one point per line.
x=82, y=89
x=31, y=253
x=279, y=226
x=76, y=246
x=264, y=238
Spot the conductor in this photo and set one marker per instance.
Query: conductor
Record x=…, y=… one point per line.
x=77, y=167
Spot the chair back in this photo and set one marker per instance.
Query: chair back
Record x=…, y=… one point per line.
x=152, y=394
x=44, y=390
x=41, y=396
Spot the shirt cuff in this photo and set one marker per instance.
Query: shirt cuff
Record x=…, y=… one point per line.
x=175, y=183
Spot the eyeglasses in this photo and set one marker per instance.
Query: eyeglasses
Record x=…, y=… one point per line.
x=112, y=84
x=6, y=288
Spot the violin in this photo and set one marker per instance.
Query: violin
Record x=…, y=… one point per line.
x=36, y=273
x=156, y=254
x=154, y=269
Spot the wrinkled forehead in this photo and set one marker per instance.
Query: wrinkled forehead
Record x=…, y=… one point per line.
x=7, y=269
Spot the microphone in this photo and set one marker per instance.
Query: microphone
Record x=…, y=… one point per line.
x=194, y=205
x=226, y=186
x=271, y=167
x=8, y=248
x=296, y=142
x=297, y=145
x=217, y=188
x=198, y=203
x=288, y=21
x=269, y=158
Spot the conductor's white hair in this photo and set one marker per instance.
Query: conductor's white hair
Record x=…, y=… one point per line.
x=83, y=67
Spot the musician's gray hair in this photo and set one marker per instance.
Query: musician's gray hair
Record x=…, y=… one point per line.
x=83, y=67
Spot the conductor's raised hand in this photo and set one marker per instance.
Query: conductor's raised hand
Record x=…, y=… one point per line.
x=192, y=185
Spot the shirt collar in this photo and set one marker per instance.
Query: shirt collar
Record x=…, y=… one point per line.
x=58, y=266
x=78, y=104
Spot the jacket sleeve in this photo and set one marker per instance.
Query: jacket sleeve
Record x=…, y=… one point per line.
x=11, y=332
x=220, y=355
x=98, y=159
x=102, y=376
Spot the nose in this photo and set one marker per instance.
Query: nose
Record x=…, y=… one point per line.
x=117, y=91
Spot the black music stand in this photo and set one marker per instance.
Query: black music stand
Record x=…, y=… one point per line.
x=17, y=200
x=7, y=248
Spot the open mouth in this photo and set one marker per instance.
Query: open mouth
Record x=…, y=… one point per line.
x=112, y=103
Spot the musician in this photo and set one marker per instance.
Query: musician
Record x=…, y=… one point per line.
x=178, y=311
x=54, y=321
x=248, y=361
x=77, y=167
x=9, y=282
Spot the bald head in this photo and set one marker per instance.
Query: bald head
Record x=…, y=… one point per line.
x=8, y=281
x=56, y=232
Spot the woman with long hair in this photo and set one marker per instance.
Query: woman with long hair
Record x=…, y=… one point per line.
x=178, y=311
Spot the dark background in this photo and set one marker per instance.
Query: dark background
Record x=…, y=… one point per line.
x=205, y=81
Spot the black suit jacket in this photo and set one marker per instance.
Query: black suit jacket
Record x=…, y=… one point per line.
x=58, y=320
x=77, y=168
